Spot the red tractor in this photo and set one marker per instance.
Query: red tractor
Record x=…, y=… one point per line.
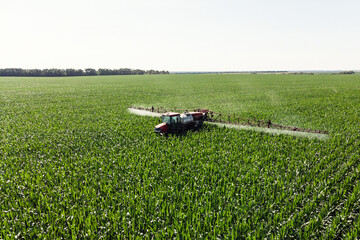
x=176, y=122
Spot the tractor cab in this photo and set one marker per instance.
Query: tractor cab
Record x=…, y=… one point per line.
x=170, y=123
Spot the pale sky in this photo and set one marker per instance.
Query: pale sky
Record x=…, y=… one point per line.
x=181, y=35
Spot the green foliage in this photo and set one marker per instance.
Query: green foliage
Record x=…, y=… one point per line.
x=347, y=72
x=75, y=164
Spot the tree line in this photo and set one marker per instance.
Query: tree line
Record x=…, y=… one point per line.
x=55, y=72
x=347, y=72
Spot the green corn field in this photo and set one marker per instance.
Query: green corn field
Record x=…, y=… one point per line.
x=75, y=164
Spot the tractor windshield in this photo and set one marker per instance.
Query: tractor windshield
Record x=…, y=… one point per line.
x=166, y=119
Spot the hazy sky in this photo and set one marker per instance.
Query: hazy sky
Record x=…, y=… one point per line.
x=181, y=35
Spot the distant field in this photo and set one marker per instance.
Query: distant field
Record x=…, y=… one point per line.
x=75, y=163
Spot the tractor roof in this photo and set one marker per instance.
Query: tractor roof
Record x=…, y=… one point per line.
x=171, y=114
